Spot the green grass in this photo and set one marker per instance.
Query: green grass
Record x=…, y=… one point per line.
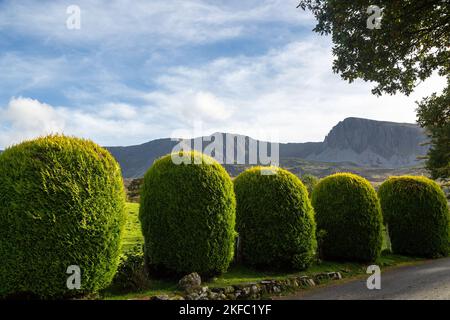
x=158, y=287
x=239, y=274
x=133, y=235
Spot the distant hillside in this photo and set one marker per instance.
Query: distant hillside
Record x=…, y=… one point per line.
x=135, y=160
x=353, y=142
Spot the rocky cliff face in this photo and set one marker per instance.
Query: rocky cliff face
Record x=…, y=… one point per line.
x=361, y=142
x=373, y=143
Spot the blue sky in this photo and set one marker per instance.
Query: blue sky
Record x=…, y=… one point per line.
x=140, y=70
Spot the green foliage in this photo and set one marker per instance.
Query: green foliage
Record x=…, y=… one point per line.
x=413, y=40
x=434, y=114
x=417, y=216
x=187, y=215
x=348, y=217
x=131, y=274
x=61, y=204
x=275, y=220
x=310, y=182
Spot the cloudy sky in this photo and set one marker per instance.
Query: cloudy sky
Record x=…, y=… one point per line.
x=144, y=69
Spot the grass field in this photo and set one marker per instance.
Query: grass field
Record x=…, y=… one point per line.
x=237, y=274
x=133, y=235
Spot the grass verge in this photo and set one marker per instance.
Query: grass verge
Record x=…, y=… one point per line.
x=238, y=274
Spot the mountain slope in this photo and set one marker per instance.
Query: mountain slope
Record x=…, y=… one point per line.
x=362, y=142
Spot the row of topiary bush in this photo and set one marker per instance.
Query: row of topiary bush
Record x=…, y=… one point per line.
x=62, y=204
x=187, y=215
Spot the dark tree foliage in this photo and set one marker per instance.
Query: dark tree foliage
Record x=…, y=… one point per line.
x=434, y=114
x=411, y=44
x=413, y=40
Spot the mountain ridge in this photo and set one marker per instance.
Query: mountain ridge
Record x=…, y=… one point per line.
x=359, y=141
x=353, y=141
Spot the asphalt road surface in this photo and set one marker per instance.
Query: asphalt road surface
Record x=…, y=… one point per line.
x=426, y=281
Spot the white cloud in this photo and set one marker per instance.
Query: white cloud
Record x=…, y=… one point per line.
x=167, y=23
x=289, y=92
x=209, y=107
x=27, y=118
x=118, y=111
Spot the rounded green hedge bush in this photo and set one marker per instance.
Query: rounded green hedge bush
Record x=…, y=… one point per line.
x=61, y=204
x=187, y=215
x=274, y=219
x=417, y=215
x=349, y=219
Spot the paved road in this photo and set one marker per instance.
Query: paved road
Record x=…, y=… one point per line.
x=430, y=280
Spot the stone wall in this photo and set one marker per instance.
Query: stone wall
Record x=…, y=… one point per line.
x=193, y=290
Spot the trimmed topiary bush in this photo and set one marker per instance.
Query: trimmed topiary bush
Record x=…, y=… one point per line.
x=417, y=215
x=275, y=220
x=348, y=217
x=187, y=215
x=61, y=204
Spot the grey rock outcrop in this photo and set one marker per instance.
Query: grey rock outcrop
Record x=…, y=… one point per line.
x=373, y=143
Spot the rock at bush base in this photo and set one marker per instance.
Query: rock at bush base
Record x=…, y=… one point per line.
x=190, y=283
